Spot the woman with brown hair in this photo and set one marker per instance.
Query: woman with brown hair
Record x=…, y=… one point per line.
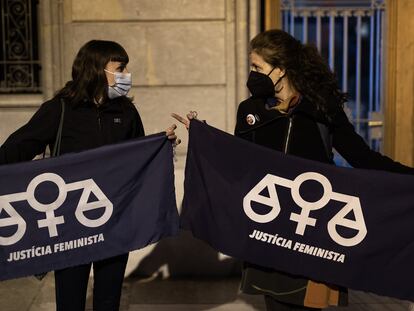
x=296, y=107
x=97, y=112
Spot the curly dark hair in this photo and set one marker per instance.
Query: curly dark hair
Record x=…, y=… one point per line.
x=89, y=81
x=305, y=68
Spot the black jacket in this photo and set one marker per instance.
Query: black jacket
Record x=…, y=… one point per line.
x=85, y=126
x=300, y=133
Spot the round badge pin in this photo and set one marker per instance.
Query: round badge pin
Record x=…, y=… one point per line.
x=250, y=119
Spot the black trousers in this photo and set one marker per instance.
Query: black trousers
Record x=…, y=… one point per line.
x=71, y=285
x=275, y=305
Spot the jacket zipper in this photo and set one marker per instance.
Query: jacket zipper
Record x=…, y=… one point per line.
x=285, y=149
x=99, y=118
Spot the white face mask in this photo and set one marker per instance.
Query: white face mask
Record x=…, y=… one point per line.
x=123, y=83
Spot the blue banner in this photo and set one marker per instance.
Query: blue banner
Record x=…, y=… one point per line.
x=79, y=208
x=343, y=226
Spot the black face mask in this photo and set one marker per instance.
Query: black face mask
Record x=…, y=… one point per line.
x=260, y=84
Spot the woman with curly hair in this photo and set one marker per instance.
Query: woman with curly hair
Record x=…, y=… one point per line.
x=297, y=107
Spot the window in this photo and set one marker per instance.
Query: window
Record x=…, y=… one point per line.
x=19, y=53
x=348, y=34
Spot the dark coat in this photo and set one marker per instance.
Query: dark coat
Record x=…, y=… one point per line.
x=301, y=133
x=303, y=139
x=85, y=126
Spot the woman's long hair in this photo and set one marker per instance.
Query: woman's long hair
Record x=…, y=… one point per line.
x=305, y=68
x=89, y=81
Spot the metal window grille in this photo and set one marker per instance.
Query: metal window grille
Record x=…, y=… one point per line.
x=19, y=54
x=348, y=33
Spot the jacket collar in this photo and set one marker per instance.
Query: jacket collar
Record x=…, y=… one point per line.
x=255, y=108
x=110, y=103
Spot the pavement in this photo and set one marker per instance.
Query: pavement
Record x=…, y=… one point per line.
x=191, y=293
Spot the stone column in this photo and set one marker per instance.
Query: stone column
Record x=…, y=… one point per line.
x=399, y=81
